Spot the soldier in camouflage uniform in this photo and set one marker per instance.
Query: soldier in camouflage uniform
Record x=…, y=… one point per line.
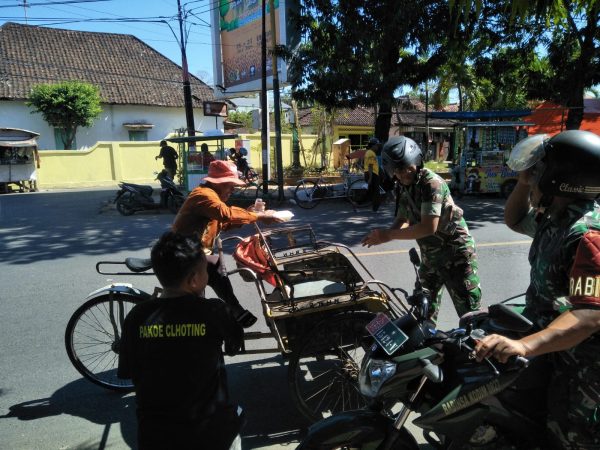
x=427, y=213
x=561, y=177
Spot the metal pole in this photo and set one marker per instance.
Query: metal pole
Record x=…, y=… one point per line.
x=187, y=90
x=264, y=136
x=276, y=103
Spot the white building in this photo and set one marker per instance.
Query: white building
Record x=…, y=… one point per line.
x=141, y=90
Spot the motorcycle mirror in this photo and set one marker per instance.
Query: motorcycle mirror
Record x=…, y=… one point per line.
x=414, y=257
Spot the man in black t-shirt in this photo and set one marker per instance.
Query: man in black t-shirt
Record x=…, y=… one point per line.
x=169, y=156
x=171, y=348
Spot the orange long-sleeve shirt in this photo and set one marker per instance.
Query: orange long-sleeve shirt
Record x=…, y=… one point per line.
x=204, y=213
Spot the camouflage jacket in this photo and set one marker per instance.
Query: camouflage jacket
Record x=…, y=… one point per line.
x=552, y=257
x=430, y=196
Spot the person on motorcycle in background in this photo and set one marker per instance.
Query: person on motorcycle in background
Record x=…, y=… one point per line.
x=205, y=213
x=427, y=213
x=556, y=202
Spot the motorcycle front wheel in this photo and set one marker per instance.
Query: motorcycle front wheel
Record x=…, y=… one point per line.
x=323, y=371
x=93, y=336
x=125, y=204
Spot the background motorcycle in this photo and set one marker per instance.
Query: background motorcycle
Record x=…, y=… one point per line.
x=463, y=404
x=135, y=197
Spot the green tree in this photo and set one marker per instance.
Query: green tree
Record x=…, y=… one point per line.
x=570, y=32
x=245, y=118
x=67, y=105
x=359, y=53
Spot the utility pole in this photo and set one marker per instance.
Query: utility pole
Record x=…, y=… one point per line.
x=187, y=90
x=276, y=103
x=264, y=135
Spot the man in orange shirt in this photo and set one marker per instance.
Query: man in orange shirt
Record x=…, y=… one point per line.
x=205, y=213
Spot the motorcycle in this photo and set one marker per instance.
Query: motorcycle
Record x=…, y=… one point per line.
x=463, y=404
x=135, y=197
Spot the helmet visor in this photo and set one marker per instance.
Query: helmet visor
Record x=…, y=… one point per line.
x=527, y=152
x=389, y=165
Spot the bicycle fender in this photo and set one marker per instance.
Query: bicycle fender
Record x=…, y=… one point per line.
x=357, y=427
x=119, y=288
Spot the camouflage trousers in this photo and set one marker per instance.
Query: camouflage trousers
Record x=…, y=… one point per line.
x=574, y=397
x=453, y=265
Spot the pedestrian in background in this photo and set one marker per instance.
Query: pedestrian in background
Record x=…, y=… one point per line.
x=371, y=168
x=169, y=157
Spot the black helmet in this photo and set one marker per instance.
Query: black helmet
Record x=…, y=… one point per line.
x=373, y=142
x=399, y=152
x=571, y=165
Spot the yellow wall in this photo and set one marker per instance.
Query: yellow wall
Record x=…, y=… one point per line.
x=107, y=163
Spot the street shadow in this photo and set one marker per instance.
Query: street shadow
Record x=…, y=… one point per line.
x=82, y=399
x=50, y=226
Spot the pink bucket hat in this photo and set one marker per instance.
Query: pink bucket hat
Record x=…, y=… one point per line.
x=223, y=172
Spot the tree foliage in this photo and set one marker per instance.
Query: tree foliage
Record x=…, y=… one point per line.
x=359, y=53
x=568, y=31
x=66, y=105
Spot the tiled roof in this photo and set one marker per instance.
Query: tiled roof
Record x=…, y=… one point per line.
x=127, y=71
x=410, y=111
x=360, y=117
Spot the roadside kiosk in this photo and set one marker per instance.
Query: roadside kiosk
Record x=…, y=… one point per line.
x=193, y=165
x=483, y=141
x=19, y=159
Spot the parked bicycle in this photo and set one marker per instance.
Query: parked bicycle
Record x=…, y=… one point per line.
x=310, y=192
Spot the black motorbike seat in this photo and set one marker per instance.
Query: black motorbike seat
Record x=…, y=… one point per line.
x=138, y=264
x=144, y=189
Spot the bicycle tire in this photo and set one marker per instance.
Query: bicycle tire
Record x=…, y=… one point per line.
x=92, y=341
x=359, y=194
x=323, y=372
x=304, y=194
x=272, y=192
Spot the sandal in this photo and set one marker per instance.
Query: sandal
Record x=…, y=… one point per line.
x=246, y=319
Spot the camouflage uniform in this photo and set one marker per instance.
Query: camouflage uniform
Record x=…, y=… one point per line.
x=449, y=257
x=574, y=391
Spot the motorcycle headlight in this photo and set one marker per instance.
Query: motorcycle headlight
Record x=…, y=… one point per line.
x=373, y=374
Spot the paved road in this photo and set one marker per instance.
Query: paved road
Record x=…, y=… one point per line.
x=49, y=243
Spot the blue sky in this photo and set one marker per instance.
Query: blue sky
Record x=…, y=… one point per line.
x=77, y=15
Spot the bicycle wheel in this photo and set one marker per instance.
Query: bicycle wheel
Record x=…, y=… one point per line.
x=272, y=192
x=323, y=372
x=358, y=193
x=306, y=194
x=92, y=339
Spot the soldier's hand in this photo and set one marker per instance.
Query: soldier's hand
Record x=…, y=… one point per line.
x=376, y=237
x=500, y=347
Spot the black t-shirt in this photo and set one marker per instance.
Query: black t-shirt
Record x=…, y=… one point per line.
x=172, y=350
x=169, y=156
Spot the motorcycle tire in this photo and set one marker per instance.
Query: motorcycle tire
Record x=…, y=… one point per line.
x=174, y=203
x=125, y=204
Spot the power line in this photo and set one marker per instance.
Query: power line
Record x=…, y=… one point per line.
x=63, y=2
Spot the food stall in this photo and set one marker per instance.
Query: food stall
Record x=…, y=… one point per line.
x=194, y=166
x=19, y=160
x=483, y=141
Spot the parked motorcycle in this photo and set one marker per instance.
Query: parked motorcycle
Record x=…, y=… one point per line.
x=463, y=404
x=135, y=197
